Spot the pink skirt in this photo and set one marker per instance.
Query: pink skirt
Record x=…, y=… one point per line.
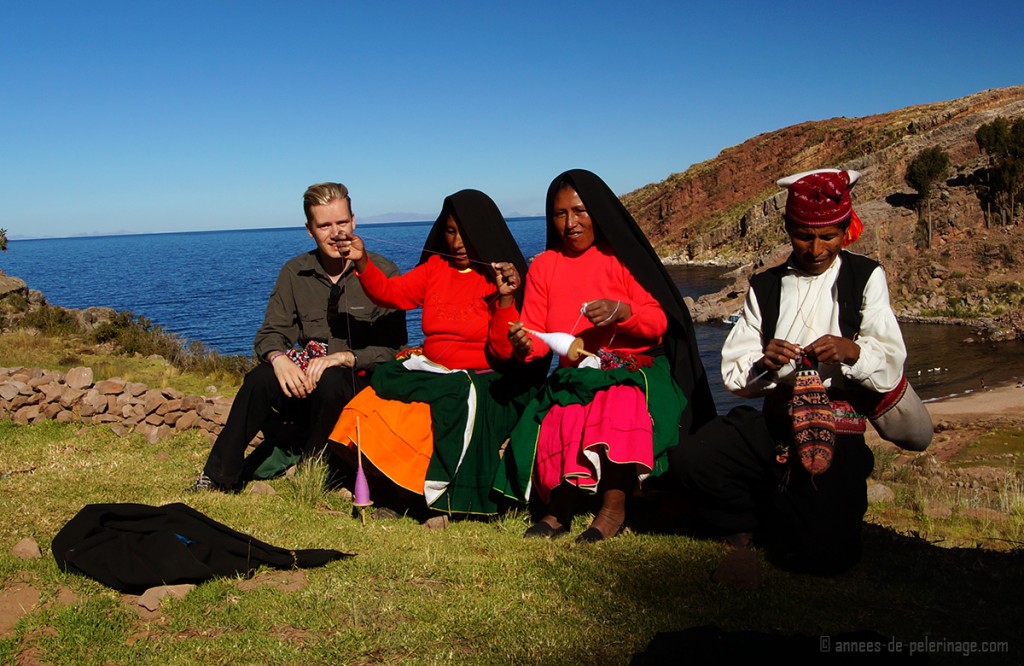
x=571, y=438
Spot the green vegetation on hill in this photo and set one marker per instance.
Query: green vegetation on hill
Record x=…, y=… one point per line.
x=1003, y=142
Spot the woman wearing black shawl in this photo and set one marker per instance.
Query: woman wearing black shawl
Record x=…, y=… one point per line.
x=601, y=430
x=412, y=425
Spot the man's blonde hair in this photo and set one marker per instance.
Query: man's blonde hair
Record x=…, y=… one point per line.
x=322, y=194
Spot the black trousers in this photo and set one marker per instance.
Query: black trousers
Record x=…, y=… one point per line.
x=729, y=471
x=261, y=402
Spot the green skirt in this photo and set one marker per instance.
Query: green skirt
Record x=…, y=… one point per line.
x=472, y=415
x=568, y=386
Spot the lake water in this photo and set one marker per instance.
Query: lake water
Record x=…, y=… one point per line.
x=213, y=287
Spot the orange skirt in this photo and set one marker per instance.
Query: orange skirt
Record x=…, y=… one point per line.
x=395, y=436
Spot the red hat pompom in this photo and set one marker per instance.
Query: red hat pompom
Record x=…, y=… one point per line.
x=854, y=230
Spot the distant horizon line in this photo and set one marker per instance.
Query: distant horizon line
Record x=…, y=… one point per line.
x=113, y=234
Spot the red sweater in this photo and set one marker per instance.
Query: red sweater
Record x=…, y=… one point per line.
x=457, y=310
x=558, y=285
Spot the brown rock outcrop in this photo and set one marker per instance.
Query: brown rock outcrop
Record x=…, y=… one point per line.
x=727, y=210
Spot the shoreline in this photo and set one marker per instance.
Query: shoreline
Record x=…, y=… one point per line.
x=1005, y=399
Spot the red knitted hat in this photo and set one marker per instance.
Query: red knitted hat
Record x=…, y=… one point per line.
x=819, y=198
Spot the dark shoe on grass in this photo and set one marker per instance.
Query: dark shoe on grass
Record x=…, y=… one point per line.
x=204, y=483
x=593, y=535
x=542, y=530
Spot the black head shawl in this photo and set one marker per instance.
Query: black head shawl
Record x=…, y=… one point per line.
x=483, y=231
x=614, y=226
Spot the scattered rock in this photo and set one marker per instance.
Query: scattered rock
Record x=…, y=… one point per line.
x=937, y=509
x=880, y=494
x=436, y=523
x=151, y=598
x=110, y=386
x=286, y=581
x=120, y=429
x=16, y=601
x=8, y=390
x=132, y=602
x=262, y=488
x=79, y=378
x=65, y=596
x=985, y=515
x=926, y=464
x=30, y=395
x=27, y=549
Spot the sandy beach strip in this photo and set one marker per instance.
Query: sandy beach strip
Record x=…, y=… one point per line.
x=1006, y=400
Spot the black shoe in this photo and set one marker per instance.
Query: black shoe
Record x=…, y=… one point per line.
x=204, y=483
x=590, y=535
x=593, y=535
x=543, y=530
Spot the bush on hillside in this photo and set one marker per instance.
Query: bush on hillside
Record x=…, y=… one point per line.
x=52, y=320
x=135, y=334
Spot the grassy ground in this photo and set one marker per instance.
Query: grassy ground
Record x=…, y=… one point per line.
x=474, y=593
x=21, y=347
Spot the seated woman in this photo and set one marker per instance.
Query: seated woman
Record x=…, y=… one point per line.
x=433, y=422
x=818, y=340
x=601, y=429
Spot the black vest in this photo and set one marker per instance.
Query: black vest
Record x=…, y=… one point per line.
x=853, y=277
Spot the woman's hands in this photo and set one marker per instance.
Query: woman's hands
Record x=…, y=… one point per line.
x=507, y=278
x=520, y=339
x=606, y=312
x=353, y=249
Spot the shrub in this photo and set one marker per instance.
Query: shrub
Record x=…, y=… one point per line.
x=135, y=334
x=52, y=320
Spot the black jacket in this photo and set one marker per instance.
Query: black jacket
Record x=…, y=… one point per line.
x=132, y=547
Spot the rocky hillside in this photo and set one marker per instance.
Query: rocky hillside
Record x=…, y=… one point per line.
x=728, y=210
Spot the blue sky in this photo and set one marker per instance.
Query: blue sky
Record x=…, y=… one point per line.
x=148, y=117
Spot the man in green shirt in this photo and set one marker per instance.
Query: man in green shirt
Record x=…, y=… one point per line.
x=317, y=299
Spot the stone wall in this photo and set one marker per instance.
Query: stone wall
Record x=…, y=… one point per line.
x=30, y=395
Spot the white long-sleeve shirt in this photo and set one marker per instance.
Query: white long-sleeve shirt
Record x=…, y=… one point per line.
x=809, y=309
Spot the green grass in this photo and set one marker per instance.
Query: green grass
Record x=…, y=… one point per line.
x=999, y=447
x=474, y=593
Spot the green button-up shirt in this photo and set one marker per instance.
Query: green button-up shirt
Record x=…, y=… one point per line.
x=305, y=305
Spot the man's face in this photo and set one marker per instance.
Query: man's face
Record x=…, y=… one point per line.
x=815, y=248
x=329, y=224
